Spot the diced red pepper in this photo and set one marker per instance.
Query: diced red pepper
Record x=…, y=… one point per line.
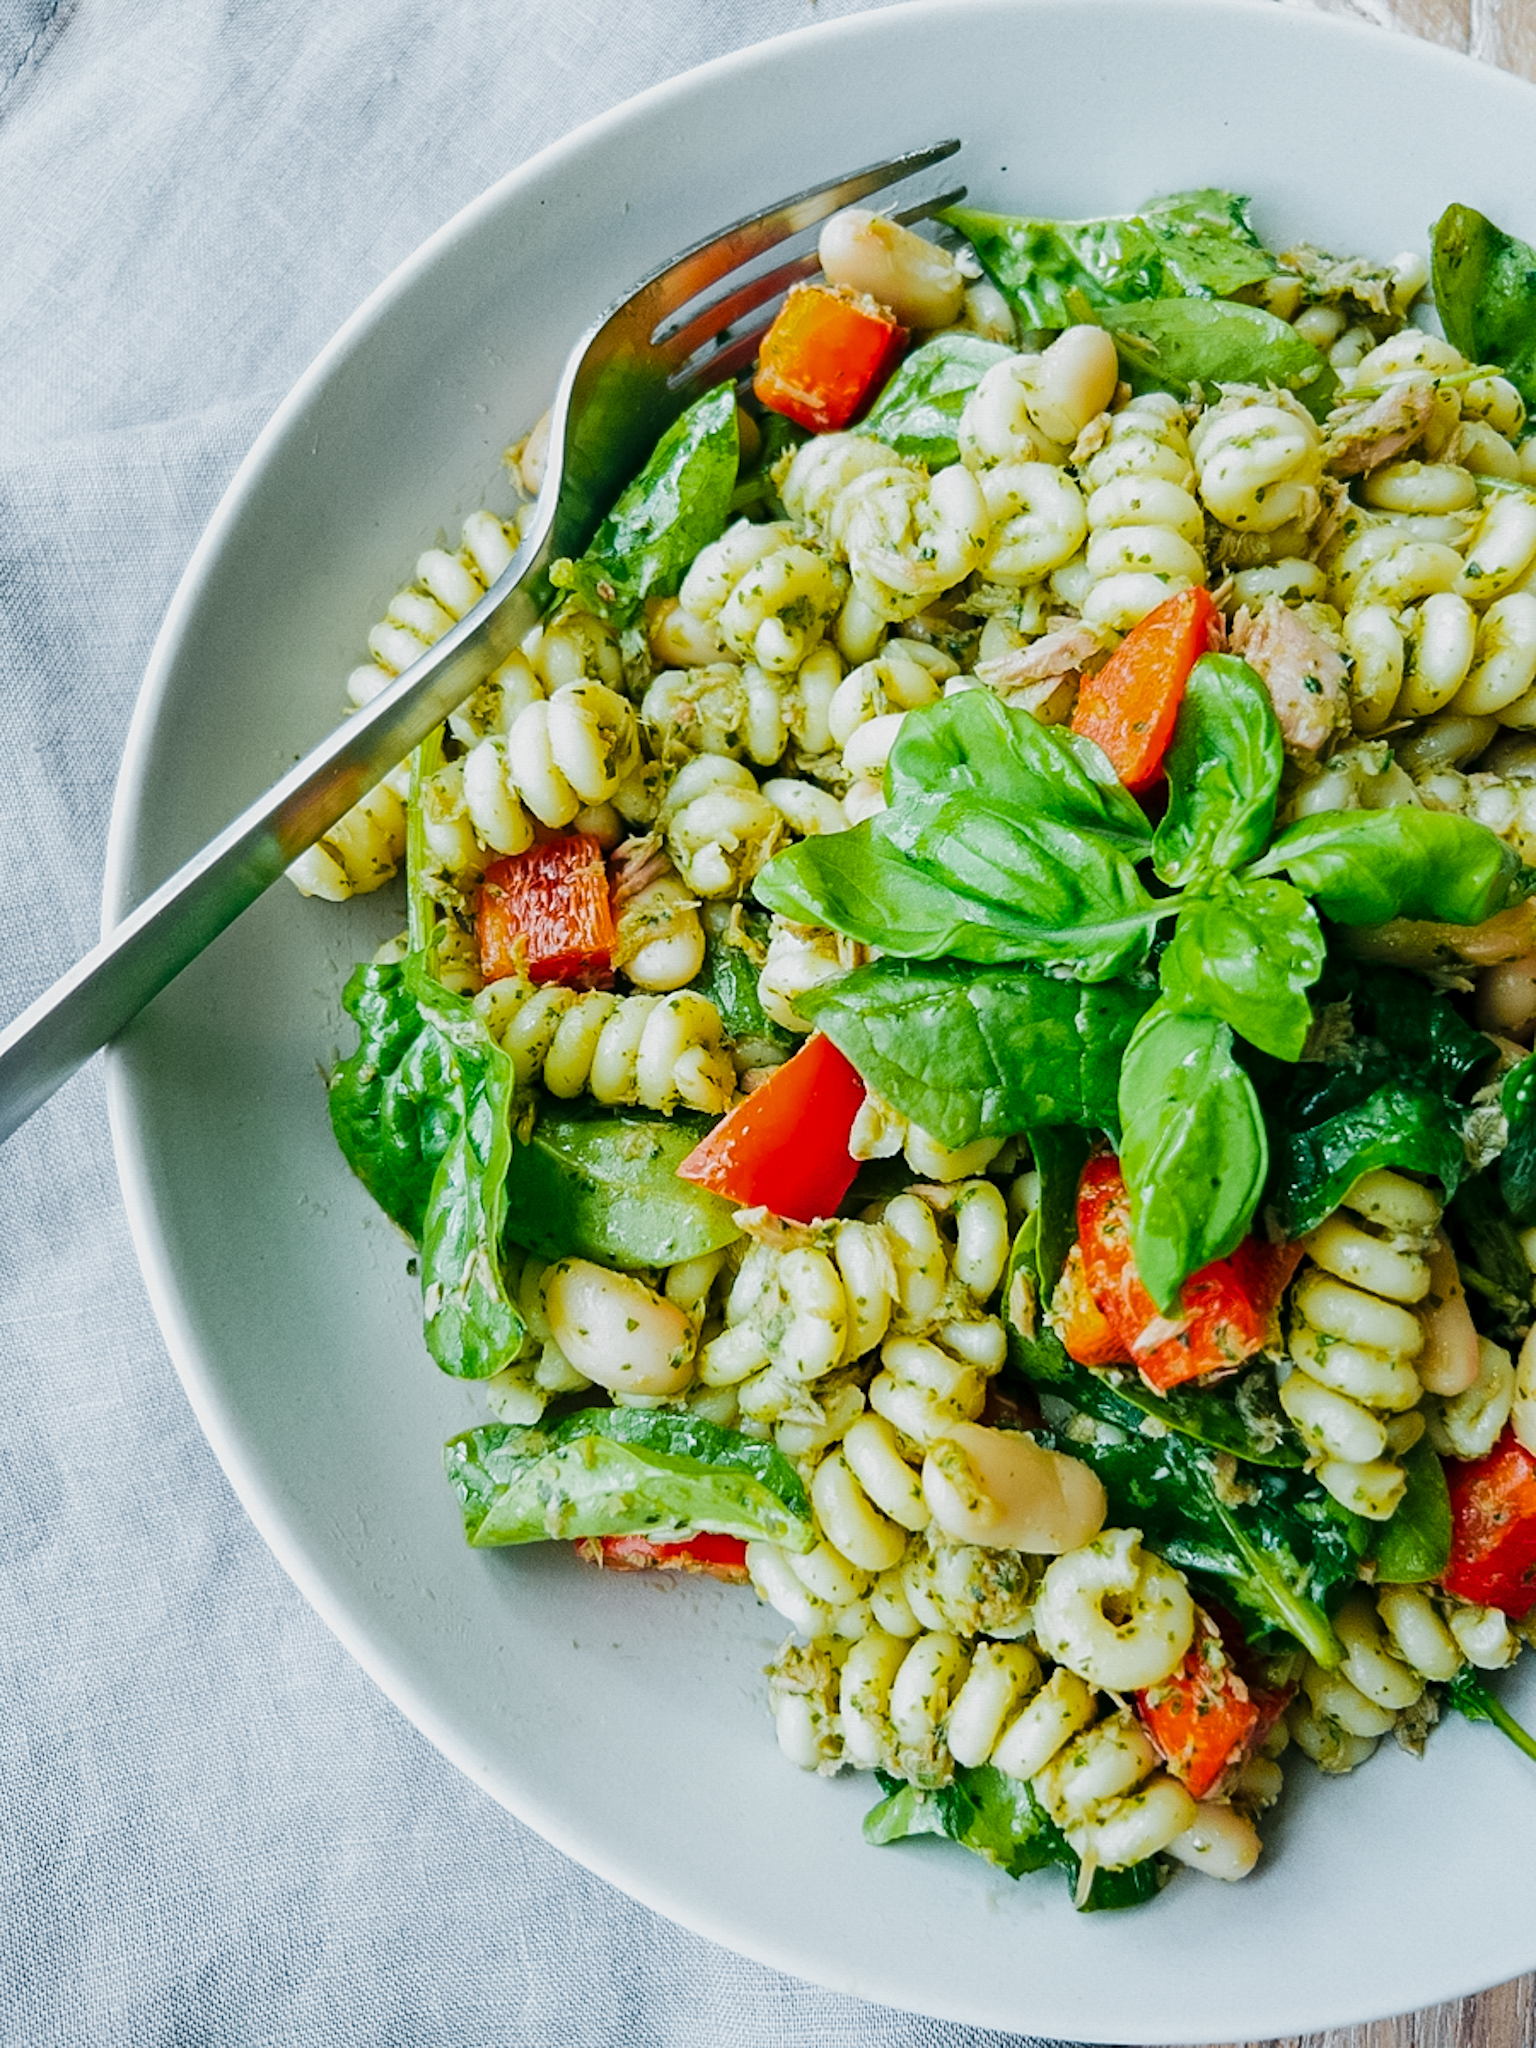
x=1227, y=1305
x=1203, y=1718
x=546, y=913
x=720, y=1557
x=1129, y=708
x=1088, y=1334
x=1493, y=1528
x=785, y=1147
x=826, y=355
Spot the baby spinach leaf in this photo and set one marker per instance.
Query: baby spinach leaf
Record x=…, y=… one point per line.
x=660, y=1472
x=1198, y=243
x=472, y=1327
x=1399, y=1123
x=1248, y=954
x=1269, y=1542
x=677, y=505
x=1485, y=294
x=1517, y=1163
x=1494, y=1269
x=1176, y=344
x=1193, y=1147
x=999, y=1818
x=605, y=1187
x=975, y=744
x=422, y=1111
x=918, y=412
x=729, y=980
x=389, y=1101
x=1415, y=1544
x=1223, y=771
x=1364, y=867
x=972, y=1052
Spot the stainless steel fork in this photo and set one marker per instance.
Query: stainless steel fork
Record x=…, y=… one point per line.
x=673, y=337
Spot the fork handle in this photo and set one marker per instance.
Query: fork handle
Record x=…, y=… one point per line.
x=107, y=989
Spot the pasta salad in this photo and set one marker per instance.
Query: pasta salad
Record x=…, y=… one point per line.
x=961, y=1054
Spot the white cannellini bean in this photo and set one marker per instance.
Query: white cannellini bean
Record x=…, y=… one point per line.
x=616, y=1330
x=1001, y=1489
x=864, y=252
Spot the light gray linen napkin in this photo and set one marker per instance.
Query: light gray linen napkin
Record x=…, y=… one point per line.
x=214, y=1829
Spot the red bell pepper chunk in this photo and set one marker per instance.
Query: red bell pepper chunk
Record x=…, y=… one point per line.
x=785, y=1147
x=826, y=356
x=1088, y=1334
x=719, y=1557
x=1493, y=1528
x=546, y=912
x=1203, y=1717
x=1129, y=708
x=1227, y=1305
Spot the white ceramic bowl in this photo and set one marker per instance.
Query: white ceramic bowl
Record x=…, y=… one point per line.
x=625, y=1719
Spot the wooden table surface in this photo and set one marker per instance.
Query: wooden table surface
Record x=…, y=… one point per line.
x=1501, y=32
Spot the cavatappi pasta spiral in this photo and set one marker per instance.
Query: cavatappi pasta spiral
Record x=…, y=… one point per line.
x=959, y=1599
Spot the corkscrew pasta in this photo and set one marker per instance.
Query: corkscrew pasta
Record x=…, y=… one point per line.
x=1056, y=1545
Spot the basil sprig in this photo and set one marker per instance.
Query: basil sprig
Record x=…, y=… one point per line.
x=1011, y=845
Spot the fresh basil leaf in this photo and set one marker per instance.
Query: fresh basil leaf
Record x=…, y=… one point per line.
x=1039, y=1252
x=1223, y=772
x=1248, y=954
x=1485, y=294
x=918, y=412
x=1000, y=1819
x=1273, y=1550
x=1061, y=898
x=1197, y=243
x=1193, y=1147
x=1517, y=1163
x=1415, y=1544
x=1176, y=344
x=677, y=505
x=971, y=1052
x=624, y=1471
x=1400, y=1123
x=1364, y=867
x=973, y=743
x=605, y=1187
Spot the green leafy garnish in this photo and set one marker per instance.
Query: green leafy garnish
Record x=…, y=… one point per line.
x=1000, y=1819
x=1472, y=1696
x=1415, y=1544
x=1180, y=345
x=1190, y=244
x=659, y=1472
x=918, y=412
x=1485, y=294
x=604, y=1186
x=981, y=1052
x=677, y=505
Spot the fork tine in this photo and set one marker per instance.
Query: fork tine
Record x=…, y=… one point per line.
x=679, y=341
x=686, y=345
x=728, y=360
x=715, y=257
